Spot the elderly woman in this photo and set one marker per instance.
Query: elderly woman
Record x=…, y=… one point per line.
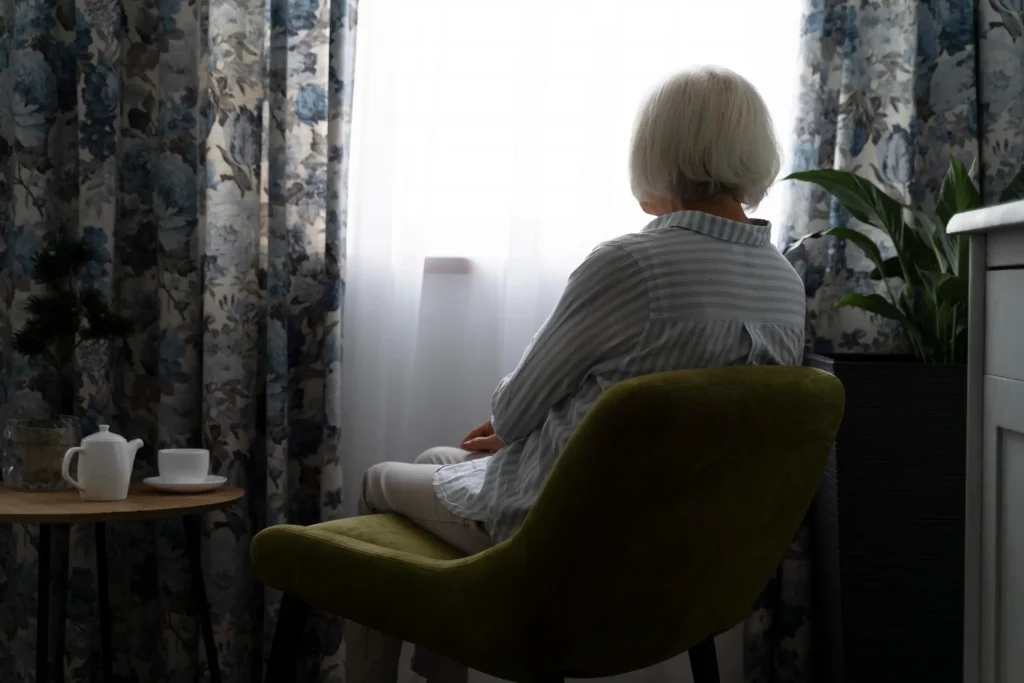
x=700, y=286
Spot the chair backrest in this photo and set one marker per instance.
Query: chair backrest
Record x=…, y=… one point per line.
x=670, y=508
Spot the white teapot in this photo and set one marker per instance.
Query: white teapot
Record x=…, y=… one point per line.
x=104, y=465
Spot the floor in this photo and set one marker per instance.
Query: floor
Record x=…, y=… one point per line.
x=677, y=670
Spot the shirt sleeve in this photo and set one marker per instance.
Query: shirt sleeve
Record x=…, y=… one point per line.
x=602, y=314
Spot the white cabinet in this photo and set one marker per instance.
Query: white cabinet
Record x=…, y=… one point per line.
x=1004, y=322
x=994, y=542
x=1002, y=532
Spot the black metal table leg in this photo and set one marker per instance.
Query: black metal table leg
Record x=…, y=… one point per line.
x=103, y=581
x=43, y=606
x=61, y=538
x=52, y=600
x=193, y=538
x=288, y=632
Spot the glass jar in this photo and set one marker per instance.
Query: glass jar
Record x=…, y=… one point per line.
x=33, y=452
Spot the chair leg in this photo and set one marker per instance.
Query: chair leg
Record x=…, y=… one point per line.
x=554, y=678
x=704, y=662
x=284, y=652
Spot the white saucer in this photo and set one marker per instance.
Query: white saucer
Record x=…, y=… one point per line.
x=211, y=482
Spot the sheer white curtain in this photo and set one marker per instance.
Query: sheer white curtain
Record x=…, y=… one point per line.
x=489, y=156
x=496, y=133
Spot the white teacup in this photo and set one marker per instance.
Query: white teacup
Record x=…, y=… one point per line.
x=183, y=465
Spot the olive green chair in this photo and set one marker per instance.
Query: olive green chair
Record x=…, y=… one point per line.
x=658, y=528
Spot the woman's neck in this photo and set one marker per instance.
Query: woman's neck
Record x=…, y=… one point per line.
x=724, y=207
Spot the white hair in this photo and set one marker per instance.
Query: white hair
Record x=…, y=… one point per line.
x=704, y=133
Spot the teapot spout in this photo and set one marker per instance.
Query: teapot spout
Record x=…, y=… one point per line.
x=133, y=448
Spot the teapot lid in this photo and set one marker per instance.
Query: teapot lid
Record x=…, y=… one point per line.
x=104, y=435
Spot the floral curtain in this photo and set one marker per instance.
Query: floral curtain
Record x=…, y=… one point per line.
x=200, y=146
x=889, y=89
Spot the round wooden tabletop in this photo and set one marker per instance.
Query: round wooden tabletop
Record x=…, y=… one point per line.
x=143, y=502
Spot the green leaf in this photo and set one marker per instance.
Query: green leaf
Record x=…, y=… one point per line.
x=879, y=305
x=957, y=194
x=868, y=204
x=1015, y=190
x=866, y=244
x=809, y=236
x=953, y=290
x=963, y=255
x=890, y=268
x=943, y=245
x=873, y=303
x=862, y=199
x=959, y=351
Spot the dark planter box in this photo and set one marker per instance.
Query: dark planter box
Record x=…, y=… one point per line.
x=889, y=524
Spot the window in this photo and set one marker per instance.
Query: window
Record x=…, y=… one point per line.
x=497, y=118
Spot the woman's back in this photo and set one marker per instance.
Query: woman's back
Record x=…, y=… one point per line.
x=691, y=290
x=719, y=293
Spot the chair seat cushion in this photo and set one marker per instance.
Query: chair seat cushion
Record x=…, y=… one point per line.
x=385, y=572
x=392, y=532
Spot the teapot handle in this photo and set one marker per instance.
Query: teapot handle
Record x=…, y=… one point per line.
x=65, y=469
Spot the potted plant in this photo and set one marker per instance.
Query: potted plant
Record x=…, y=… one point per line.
x=889, y=516
x=66, y=315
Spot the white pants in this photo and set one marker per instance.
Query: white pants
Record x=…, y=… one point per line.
x=408, y=489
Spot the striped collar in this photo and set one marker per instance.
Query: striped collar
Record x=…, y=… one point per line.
x=757, y=233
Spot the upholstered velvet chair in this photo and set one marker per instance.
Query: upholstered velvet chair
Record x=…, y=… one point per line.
x=661, y=523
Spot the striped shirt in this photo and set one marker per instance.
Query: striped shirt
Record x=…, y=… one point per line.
x=691, y=290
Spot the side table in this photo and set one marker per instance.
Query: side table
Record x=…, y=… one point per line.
x=55, y=511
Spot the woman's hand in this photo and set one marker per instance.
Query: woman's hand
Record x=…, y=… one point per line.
x=482, y=439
